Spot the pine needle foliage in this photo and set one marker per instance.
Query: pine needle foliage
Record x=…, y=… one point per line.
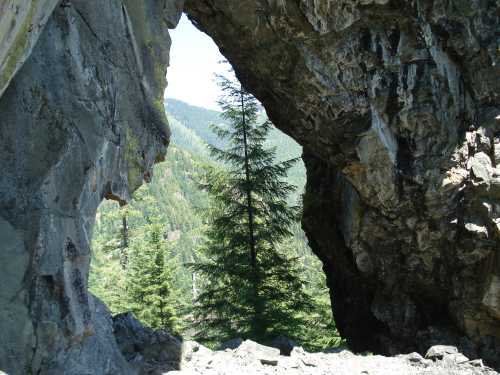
x=250, y=288
x=149, y=280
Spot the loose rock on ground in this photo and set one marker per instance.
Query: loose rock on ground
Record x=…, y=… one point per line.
x=251, y=358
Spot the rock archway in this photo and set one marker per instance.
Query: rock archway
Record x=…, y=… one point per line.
x=395, y=105
x=393, y=101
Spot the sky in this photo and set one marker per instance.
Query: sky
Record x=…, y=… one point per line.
x=194, y=59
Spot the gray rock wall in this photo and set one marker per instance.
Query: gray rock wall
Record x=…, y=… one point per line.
x=21, y=22
x=81, y=121
x=395, y=105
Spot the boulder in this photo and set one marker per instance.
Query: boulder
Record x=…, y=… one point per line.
x=190, y=349
x=265, y=354
x=151, y=352
x=284, y=344
x=231, y=344
x=446, y=353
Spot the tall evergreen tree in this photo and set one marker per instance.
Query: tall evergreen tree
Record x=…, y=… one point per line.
x=124, y=232
x=251, y=289
x=149, y=280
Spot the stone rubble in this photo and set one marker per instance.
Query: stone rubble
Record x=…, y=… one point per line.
x=251, y=358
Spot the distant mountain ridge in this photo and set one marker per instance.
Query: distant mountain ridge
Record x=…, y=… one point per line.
x=191, y=131
x=198, y=119
x=186, y=138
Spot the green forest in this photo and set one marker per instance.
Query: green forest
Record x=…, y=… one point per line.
x=144, y=252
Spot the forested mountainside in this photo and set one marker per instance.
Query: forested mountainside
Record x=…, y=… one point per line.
x=174, y=199
x=196, y=119
x=191, y=130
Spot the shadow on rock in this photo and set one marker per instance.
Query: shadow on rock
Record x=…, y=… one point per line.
x=150, y=352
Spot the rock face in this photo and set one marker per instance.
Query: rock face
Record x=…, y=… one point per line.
x=252, y=358
x=150, y=352
x=21, y=23
x=395, y=105
x=81, y=121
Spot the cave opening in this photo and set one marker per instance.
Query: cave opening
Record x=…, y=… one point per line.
x=172, y=202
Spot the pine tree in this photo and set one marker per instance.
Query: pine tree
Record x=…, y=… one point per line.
x=124, y=232
x=149, y=280
x=251, y=289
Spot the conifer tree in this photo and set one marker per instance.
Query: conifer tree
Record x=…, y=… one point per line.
x=124, y=234
x=251, y=289
x=149, y=280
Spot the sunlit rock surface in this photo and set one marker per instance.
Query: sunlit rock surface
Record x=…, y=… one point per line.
x=81, y=121
x=395, y=104
x=252, y=358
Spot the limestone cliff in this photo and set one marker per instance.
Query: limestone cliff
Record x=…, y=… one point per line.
x=81, y=121
x=395, y=105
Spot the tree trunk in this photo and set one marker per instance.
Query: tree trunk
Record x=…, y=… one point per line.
x=124, y=242
x=251, y=234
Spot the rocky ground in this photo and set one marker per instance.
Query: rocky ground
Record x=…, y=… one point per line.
x=252, y=358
